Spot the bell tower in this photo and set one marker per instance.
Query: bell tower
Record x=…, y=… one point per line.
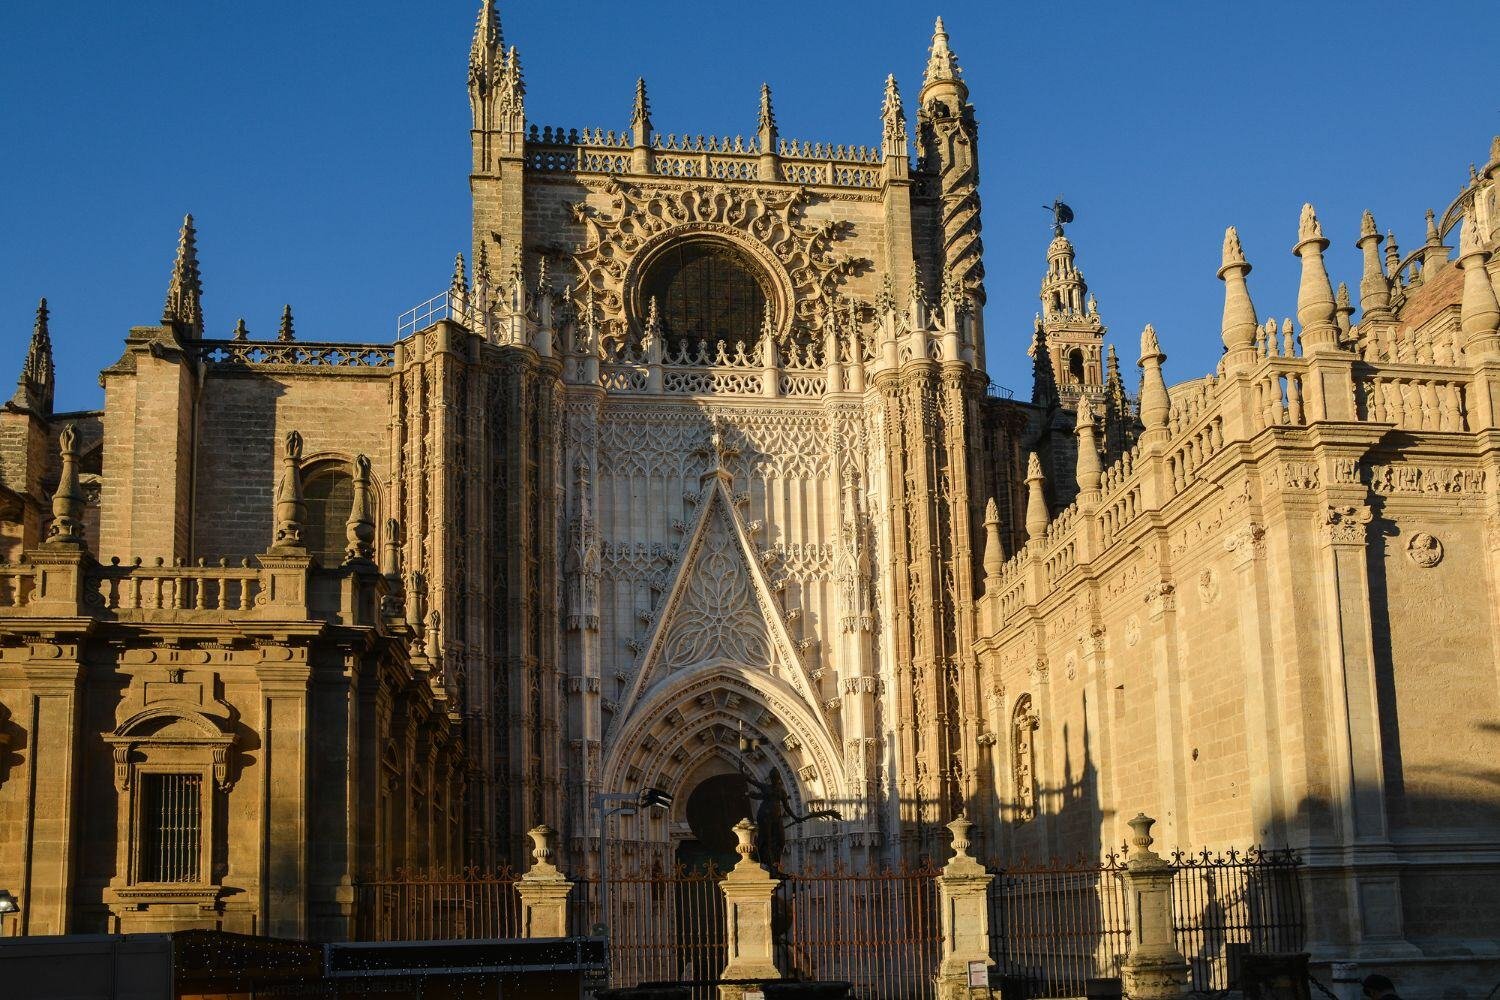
x=1070, y=320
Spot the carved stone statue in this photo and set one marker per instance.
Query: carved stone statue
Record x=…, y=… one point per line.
x=773, y=815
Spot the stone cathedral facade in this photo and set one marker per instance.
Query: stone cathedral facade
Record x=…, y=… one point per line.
x=696, y=472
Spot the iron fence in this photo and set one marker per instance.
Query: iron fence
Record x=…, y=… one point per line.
x=1228, y=904
x=1057, y=924
x=438, y=906
x=1052, y=926
x=665, y=926
x=878, y=930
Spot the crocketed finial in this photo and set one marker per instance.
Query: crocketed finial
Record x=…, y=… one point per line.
x=184, y=305
x=460, y=283
x=285, y=333
x=35, y=387
x=766, y=121
x=640, y=114
x=942, y=65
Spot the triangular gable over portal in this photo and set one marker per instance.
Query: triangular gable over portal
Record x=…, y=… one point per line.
x=719, y=608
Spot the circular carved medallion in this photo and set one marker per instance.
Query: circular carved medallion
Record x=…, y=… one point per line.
x=1425, y=550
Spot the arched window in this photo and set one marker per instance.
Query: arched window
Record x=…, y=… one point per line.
x=1075, y=366
x=705, y=289
x=328, y=491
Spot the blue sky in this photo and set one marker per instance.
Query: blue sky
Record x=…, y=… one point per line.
x=323, y=147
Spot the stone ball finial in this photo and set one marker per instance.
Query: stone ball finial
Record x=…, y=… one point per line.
x=744, y=832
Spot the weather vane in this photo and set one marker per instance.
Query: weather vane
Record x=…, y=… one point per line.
x=1061, y=215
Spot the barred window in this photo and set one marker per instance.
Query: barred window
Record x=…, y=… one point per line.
x=171, y=827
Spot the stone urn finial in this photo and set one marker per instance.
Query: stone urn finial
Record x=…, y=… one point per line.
x=542, y=839
x=959, y=828
x=744, y=830
x=1141, y=840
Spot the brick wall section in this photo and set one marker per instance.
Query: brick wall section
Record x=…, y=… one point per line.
x=242, y=421
x=148, y=431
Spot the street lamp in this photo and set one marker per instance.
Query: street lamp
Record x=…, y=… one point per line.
x=8, y=904
x=619, y=804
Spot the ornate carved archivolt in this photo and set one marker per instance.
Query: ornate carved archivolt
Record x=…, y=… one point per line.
x=766, y=224
x=703, y=712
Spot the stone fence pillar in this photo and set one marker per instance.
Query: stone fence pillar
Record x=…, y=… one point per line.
x=747, y=915
x=963, y=895
x=543, y=890
x=1154, y=969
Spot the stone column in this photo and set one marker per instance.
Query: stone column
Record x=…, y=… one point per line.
x=747, y=915
x=543, y=890
x=963, y=894
x=284, y=675
x=1359, y=847
x=1154, y=968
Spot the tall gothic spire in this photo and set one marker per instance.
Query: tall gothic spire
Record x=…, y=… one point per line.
x=640, y=113
x=184, y=306
x=489, y=40
x=892, y=120
x=496, y=89
x=942, y=64
x=1043, y=378
x=766, y=120
x=38, y=379
x=1118, y=430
